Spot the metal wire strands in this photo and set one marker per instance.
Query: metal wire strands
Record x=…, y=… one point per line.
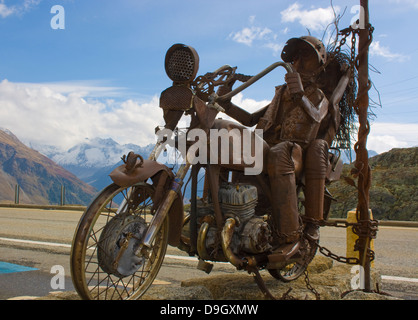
x=181, y=63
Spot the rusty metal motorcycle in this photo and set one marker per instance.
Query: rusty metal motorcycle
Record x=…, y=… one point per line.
x=121, y=239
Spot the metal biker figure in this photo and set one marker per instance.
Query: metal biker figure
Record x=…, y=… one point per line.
x=291, y=124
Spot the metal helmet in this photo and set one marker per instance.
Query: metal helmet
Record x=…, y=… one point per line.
x=290, y=49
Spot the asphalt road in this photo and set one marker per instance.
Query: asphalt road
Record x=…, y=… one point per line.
x=41, y=239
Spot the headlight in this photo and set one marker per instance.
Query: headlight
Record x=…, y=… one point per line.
x=181, y=63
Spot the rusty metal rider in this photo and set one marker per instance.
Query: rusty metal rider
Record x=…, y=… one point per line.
x=292, y=127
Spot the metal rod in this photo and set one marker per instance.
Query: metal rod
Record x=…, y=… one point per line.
x=62, y=195
x=17, y=191
x=156, y=151
x=193, y=210
x=254, y=79
x=361, y=149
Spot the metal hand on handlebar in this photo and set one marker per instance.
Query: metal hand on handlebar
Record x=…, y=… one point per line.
x=205, y=85
x=222, y=75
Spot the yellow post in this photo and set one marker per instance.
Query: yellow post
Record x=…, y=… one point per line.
x=352, y=237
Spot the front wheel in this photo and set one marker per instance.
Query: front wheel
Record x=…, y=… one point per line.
x=105, y=263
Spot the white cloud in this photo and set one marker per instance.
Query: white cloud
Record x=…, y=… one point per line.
x=315, y=19
x=383, y=143
x=16, y=9
x=248, y=34
x=277, y=48
x=5, y=11
x=90, y=88
x=262, y=36
x=377, y=49
x=249, y=104
x=28, y=4
x=386, y=136
x=43, y=115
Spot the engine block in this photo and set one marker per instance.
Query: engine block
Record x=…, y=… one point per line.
x=252, y=234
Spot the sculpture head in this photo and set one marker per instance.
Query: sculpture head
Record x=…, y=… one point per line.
x=306, y=54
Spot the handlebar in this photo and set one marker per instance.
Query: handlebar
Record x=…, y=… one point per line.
x=254, y=79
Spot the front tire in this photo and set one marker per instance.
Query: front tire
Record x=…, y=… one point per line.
x=104, y=265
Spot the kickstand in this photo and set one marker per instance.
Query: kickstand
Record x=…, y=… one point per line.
x=261, y=285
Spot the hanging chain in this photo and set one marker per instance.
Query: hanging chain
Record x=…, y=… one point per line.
x=309, y=286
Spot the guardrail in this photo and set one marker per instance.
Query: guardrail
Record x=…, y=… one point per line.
x=44, y=207
x=388, y=223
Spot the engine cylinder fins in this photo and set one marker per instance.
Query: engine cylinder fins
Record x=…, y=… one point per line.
x=238, y=199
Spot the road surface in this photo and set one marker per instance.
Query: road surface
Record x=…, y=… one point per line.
x=41, y=239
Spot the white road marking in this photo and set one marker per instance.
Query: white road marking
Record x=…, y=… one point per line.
x=43, y=243
x=393, y=278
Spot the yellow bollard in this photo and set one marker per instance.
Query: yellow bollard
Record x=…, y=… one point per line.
x=352, y=237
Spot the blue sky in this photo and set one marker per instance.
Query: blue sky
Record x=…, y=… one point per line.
x=101, y=76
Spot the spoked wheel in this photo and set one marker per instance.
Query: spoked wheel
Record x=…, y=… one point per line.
x=295, y=269
x=105, y=261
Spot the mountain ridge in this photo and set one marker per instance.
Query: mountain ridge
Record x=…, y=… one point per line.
x=40, y=178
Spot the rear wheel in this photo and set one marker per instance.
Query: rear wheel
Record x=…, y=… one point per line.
x=295, y=269
x=105, y=264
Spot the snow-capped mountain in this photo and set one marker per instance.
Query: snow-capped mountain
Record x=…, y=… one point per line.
x=96, y=153
x=93, y=159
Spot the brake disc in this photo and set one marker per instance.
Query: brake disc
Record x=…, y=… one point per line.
x=118, y=243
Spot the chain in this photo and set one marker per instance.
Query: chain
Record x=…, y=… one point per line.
x=327, y=253
x=358, y=228
x=366, y=228
x=309, y=286
x=324, y=223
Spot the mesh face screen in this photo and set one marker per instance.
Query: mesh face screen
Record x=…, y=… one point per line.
x=181, y=65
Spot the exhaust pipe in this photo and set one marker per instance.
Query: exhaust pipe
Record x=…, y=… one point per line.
x=226, y=236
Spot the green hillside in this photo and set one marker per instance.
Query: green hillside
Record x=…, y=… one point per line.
x=394, y=190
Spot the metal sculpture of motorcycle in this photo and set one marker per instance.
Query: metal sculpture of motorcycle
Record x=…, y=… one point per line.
x=121, y=239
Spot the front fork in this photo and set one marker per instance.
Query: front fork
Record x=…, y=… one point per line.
x=162, y=210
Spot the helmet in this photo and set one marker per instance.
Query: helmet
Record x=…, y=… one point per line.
x=289, y=49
